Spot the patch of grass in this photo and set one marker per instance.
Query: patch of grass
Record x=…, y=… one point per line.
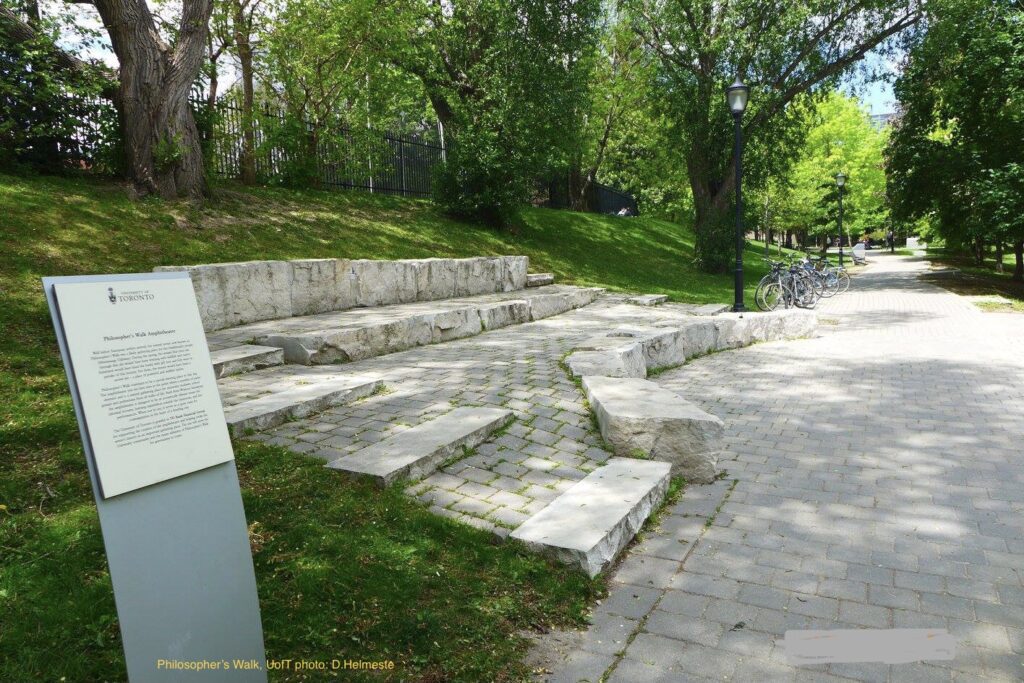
x=1006, y=306
x=980, y=281
x=343, y=569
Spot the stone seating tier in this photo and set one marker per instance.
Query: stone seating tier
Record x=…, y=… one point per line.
x=231, y=294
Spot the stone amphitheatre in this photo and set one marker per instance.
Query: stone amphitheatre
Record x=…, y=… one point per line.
x=498, y=397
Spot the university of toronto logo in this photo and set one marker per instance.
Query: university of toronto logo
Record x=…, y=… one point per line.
x=111, y=295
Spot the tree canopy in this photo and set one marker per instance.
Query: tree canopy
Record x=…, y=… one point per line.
x=786, y=51
x=840, y=138
x=956, y=155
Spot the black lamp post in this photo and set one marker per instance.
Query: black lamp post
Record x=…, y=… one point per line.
x=736, y=95
x=840, y=183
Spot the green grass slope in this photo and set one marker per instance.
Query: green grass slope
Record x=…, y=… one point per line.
x=343, y=571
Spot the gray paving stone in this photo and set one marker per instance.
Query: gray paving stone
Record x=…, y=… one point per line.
x=580, y=667
x=629, y=601
x=702, y=632
x=608, y=634
x=630, y=670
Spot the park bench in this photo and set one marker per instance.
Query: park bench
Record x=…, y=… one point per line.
x=859, y=256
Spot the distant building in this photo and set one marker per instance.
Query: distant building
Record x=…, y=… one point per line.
x=880, y=121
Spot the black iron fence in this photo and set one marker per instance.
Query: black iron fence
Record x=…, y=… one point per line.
x=328, y=156
x=599, y=198
x=333, y=156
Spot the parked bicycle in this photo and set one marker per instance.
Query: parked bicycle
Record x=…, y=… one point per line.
x=800, y=283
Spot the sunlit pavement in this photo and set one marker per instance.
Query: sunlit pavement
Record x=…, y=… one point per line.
x=875, y=479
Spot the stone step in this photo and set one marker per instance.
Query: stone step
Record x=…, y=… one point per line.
x=637, y=415
x=539, y=279
x=418, y=451
x=711, y=309
x=303, y=398
x=344, y=336
x=590, y=524
x=648, y=299
x=235, y=360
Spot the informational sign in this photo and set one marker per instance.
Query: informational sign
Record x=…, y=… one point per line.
x=163, y=476
x=144, y=379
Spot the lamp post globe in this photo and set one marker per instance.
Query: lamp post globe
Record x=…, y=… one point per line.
x=737, y=96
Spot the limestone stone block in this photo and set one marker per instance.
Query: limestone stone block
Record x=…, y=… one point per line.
x=481, y=275
x=547, y=305
x=733, y=331
x=230, y=294
x=298, y=349
x=346, y=283
x=590, y=524
x=514, y=275
x=503, y=314
x=625, y=360
x=379, y=283
x=636, y=416
x=435, y=278
x=700, y=337
x=647, y=299
x=420, y=450
x=540, y=279
x=455, y=324
x=315, y=286
x=710, y=309
x=664, y=348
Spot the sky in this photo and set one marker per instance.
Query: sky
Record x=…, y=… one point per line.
x=879, y=98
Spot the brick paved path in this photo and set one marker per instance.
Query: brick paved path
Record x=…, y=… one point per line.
x=875, y=479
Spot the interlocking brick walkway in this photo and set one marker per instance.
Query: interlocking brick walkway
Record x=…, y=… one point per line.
x=875, y=479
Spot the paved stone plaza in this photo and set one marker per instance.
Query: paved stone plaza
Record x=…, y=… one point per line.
x=874, y=480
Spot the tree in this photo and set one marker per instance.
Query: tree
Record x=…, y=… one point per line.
x=507, y=81
x=159, y=132
x=955, y=154
x=840, y=137
x=45, y=92
x=783, y=50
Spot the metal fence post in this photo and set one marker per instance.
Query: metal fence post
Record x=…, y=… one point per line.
x=401, y=163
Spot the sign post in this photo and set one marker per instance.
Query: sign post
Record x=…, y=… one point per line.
x=163, y=476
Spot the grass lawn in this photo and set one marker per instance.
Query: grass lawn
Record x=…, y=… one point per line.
x=981, y=281
x=343, y=570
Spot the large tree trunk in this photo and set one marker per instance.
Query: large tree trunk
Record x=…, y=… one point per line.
x=1018, y=266
x=999, y=256
x=243, y=45
x=164, y=156
x=715, y=241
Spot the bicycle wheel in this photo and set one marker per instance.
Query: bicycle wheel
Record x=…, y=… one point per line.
x=803, y=288
x=830, y=282
x=844, y=281
x=772, y=296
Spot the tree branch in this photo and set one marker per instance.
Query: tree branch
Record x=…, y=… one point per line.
x=17, y=31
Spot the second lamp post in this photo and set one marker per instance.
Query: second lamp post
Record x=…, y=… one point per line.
x=736, y=95
x=840, y=183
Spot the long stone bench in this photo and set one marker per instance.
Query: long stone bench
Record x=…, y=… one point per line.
x=231, y=294
x=276, y=395
x=357, y=334
x=615, y=354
